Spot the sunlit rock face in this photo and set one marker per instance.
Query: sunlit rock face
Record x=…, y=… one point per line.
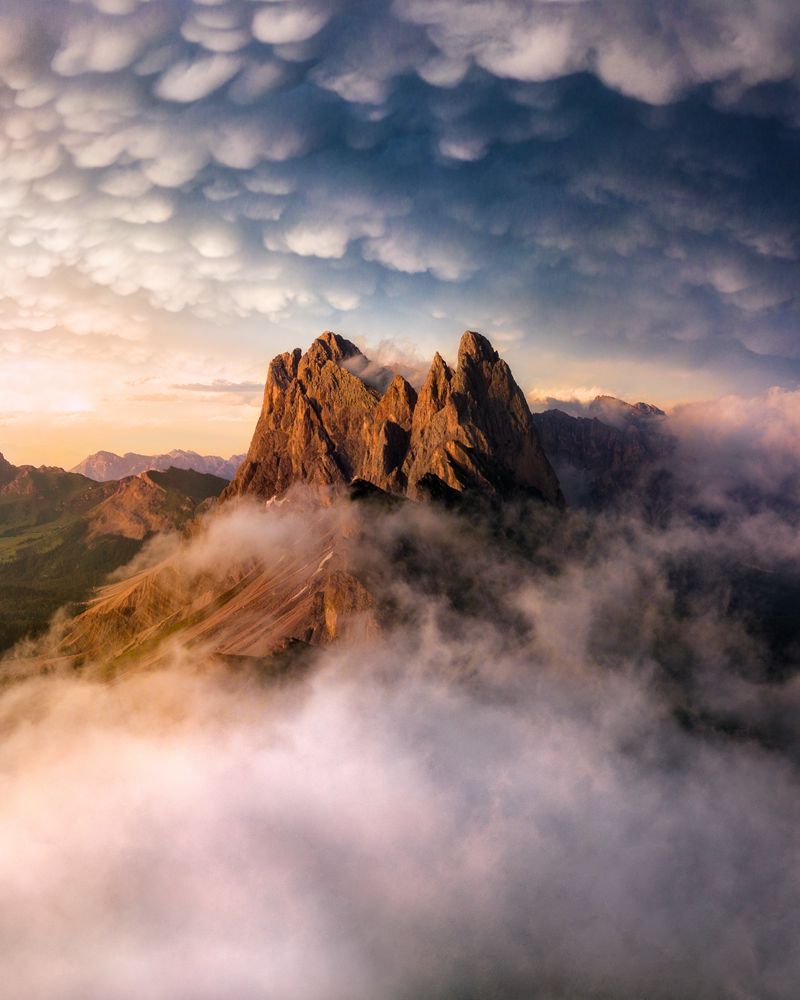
x=469, y=429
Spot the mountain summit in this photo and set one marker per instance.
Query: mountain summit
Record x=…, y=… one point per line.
x=469, y=428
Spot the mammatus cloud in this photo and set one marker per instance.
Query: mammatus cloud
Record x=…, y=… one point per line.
x=648, y=53
x=601, y=179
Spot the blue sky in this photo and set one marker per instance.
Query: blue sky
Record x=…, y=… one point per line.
x=609, y=189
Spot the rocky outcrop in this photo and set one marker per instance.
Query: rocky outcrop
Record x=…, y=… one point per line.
x=7, y=471
x=153, y=502
x=470, y=428
x=597, y=462
x=314, y=423
x=241, y=608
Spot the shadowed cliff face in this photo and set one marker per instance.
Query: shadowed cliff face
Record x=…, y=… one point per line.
x=599, y=462
x=469, y=428
x=7, y=471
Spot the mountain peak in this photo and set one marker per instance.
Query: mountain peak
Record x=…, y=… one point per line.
x=7, y=470
x=475, y=346
x=331, y=347
x=321, y=424
x=617, y=411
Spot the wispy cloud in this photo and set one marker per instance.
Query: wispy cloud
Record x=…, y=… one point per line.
x=221, y=385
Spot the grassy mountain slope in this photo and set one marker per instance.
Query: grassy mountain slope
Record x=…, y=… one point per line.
x=61, y=534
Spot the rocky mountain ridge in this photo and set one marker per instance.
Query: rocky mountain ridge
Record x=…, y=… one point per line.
x=468, y=429
x=7, y=470
x=103, y=466
x=600, y=463
x=620, y=413
x=62, y=533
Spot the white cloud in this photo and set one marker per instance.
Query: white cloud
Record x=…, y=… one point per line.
x=464, y=148
x=328, y=241
x=193, y=80
x=343, y=301
x=125, y=183
x=415, y=252
x=175, y=163
x=281, y=23
x=98, y=47
x=215, y=240
x=266, y=300
x=533, y=51
x=652, y=58
x=734, y=441
x=257, y=79
x=440, y=71
x=356, y=86
x=217, y=29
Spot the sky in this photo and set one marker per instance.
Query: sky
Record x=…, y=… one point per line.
x=608, y=189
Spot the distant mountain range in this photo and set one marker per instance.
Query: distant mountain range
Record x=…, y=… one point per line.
x=106, y=465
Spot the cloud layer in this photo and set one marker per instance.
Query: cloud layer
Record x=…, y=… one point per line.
x=598, y=180
x=498, y=800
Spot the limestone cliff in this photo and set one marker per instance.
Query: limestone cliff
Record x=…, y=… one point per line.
x=470, y=428
x=321, y=425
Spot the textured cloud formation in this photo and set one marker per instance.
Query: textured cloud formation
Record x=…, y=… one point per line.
x=497, y=801
x=596, y=179
x=372, y=840
x=649, y=52
x=744, y=447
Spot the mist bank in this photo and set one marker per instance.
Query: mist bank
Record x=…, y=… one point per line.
x=385, y=831
x=564, y=766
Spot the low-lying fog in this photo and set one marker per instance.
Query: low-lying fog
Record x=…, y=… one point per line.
x=568, y=770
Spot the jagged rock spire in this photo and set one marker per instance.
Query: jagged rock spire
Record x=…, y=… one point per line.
x=7, y=471
x=470, y=427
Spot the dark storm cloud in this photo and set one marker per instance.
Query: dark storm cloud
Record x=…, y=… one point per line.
x=610, y=179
